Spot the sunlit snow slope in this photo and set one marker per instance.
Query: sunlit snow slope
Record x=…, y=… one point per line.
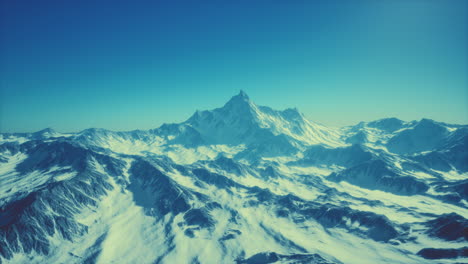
x=238, y=184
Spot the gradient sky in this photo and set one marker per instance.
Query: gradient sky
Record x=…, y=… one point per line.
x=125, y=65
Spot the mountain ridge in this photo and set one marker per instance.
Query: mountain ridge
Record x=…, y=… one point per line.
x=238, y=184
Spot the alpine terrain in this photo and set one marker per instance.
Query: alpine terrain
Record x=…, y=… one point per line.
x=242, y=183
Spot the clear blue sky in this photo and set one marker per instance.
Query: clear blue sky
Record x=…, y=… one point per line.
x=126, y=65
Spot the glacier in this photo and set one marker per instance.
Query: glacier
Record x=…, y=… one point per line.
x=242, y=183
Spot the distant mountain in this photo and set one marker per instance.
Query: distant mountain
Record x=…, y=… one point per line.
x=238, y=184
x=240, y=121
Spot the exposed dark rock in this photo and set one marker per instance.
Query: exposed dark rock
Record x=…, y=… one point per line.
x=443, y=253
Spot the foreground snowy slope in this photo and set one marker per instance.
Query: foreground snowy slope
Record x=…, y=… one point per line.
x=239, y=184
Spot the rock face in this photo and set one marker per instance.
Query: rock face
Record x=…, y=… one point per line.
x=344, y=156
x=238, y=184
x=376, y=175
x=449, y=227
x=388, y=125
x=443, y=253
x=425, y=135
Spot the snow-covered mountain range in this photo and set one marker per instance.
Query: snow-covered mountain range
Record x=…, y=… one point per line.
x=238, y=184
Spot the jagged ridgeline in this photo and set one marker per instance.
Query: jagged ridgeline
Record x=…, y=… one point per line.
x=238, y=184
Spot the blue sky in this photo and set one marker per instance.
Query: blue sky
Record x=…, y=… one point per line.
x=126, y=65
